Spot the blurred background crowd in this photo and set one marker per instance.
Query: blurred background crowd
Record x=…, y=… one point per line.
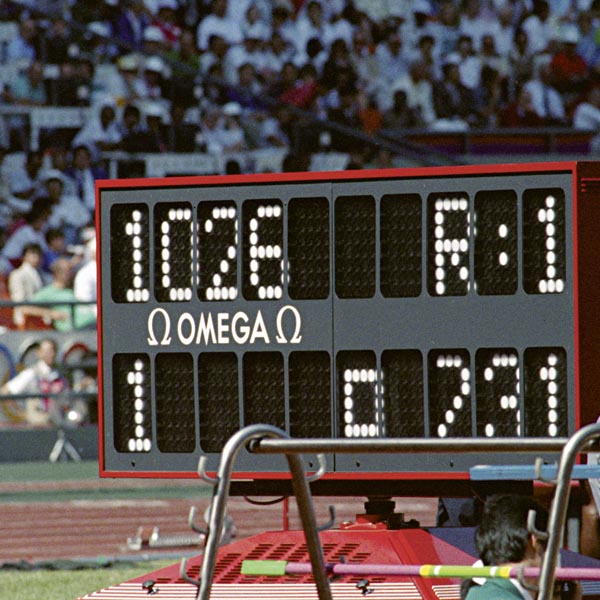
x=226, y=77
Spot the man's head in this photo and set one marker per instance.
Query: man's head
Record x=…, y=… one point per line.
x=503, y=536
x=32, y=254
x=47, y=350
x=62, y=272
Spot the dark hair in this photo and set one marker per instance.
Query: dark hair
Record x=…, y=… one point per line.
x=32, y=247
x=502, y=535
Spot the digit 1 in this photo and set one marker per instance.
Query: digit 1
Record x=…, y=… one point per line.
x=217, y=251
x=135, y=378
x=263, y=256
x=545, y=392
x=544, y=248
x=129, y=253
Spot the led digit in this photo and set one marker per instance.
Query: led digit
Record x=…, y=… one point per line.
x=495, y=247
x=360, y=395
x=264, y=274
x=132, y=410
x=218, y=395
x=310, y=394
x=174, y=262
x=545, y=372
x=498, y=392
x=217, y=251
x=130, y=266
x=449, y=374
x=400, y=221
x=544, y=254
x=448, y=233
x=308, y=248
x=264, y=388
x=404, y=393
x=355, y=246
x=174, y=394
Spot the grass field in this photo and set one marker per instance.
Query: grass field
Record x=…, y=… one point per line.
x=68, y=585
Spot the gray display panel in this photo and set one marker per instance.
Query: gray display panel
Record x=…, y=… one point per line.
x=397, y=307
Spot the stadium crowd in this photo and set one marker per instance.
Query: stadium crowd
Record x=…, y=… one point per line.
x=222, y=76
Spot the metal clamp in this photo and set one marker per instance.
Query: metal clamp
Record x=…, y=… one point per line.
x=214, y=481
x=540, y=535
x=183, y=574
x=539, y=463
x=320, y=471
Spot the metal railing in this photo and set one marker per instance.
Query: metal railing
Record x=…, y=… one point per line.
x=266, y=439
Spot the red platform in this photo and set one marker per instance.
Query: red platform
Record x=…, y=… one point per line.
x=405, y=546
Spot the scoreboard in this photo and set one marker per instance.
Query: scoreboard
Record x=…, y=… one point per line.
x=456, y=302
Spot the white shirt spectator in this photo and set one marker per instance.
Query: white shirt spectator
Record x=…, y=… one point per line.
x=70, y=211
x=587, y=116
x=85, y=281
x=539, y=33
x=229, y=29
x=546, y=101
x=418, y=96
x=26, y=234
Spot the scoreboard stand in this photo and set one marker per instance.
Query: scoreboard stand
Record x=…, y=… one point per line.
x=417, y=306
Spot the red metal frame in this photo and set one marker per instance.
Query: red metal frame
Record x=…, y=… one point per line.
x=586, y=216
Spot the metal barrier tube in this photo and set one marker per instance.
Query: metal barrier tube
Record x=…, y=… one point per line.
x=219, y=501
x=309, y=445
x=558, y=511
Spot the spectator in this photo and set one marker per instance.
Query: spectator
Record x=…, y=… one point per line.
x=26, y=280
x=546, y=100
x=84, y=285
x=180, y=134
x=453, y=101
x=22, y=47
x=520, y=112
x=338, y=64
x=503, y=538
x=248, y=90
x=311, y=25
x=57, y=39
x=185, y=62
x=101, y=132
x=392, y=64
x=31, y=230
x=155, y=43
x=475, y=23
x=248, y=52
x=150, y=85
x=154, y=115
x=570, y=73
x=24, y=181
x=278, y=54
x=41, y=378
x=275, y=130
x=447, y=29
x=400, y=116
x=119, y=85
x=418, y=89
x=55, y=246
x=65, y=317
x=84, y=175
x=521, y=60
x=68, y=212
x=135, y=137
x=59, y=160
x=539, y=28
x=166, y=21
x=130, y=25
x=218, y=23
x=469, y=63
x=27, y=89
x=587, y=116
x=231, y=136
x=489, y=97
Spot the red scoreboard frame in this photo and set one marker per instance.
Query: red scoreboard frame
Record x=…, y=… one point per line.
x=450, y=302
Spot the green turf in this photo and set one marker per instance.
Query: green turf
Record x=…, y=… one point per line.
x=68, y=585
x=47, y=471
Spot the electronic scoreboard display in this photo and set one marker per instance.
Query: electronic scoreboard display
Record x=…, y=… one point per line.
x=457, y=302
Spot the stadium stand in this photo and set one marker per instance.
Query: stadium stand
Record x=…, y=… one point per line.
x=216, y=86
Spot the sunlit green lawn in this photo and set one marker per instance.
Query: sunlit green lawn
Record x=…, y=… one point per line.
x=68, y=585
